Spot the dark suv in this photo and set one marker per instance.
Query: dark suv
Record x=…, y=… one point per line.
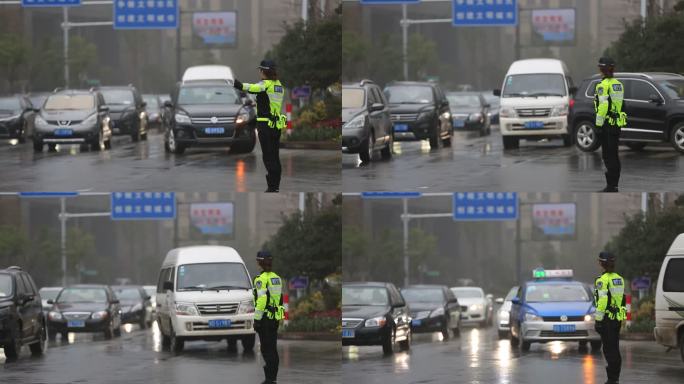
x=16, y=117
x=127, y=111
x=419, y=111
x=654, y=103
x=366, y=123
x=21, y=313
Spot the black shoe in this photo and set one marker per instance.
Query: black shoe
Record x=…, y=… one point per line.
x=609, y=189
x=272, y=190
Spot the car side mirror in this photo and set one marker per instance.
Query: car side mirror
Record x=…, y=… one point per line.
x=103, y=108
x=453, y=301
x=655, y=99
x=398, y=304
x=168, y=104
x=168, y=286
x=499, y=300
x=376, y=107
x=497, y=92
x=515, y=301
x=115, y=301
x=143, y=104
x=50, y=301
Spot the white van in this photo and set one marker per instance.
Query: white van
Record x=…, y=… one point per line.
x=535, y=99
x=209, y=72
x=669, y=302
x=205, y=293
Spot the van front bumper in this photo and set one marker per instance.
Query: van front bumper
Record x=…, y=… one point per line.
x=666, y=336
x=198, y=326
x=515, y=126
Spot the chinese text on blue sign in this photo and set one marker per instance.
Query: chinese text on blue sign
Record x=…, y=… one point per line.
x=485, y=13
x=143, y=205
x=483, y=206
x=49, y=3
x=145, y=14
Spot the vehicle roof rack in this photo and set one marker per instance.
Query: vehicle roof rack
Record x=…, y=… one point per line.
x=366, y=81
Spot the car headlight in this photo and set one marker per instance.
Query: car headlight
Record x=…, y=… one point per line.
x=507, y=112
x=588, y=318
x=90, y=120
x=186, y=309
x=375, y=322
x=437, y=312
x=561, y=110
x=532, y=317
x=242, y=117
x=53, y=315
x=475, y=307
x=356, y=123
x=475, y=117
x=40, y=122
x=504, y=315
x=425, y=115
x=446, y=115
x=136, y=307
x=99, y=315
x=182, y=119
x=246, y=306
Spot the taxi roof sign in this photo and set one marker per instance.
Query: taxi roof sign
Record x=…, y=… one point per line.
x=541, y=273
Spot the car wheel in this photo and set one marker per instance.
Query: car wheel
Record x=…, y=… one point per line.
x=386, y=152
x=247, y=147
x=435, y=137
x=176, y=345
x=595, y=346
x=13, y=347
x=447, y=140
x=586, y=137
x=366, y=149
x=567, y=140
x=681, y=344
x=98, y=143
x=174, y=146
x=248, y=343
x=405, y=345
x=677, y=137
x=525, y=345
x=445, y=332
x=37, y=146
x=388, y=343
x=510, y=142
x=38, y=347
x=232, y=345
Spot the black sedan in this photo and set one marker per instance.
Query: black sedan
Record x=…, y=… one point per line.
x=16, y=117
x=85, y=308
x=469, y=110
x=434, y=308
x=135, y=305
x=375, y=314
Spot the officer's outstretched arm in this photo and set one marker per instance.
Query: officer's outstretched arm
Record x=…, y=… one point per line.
x=254, y=87
x=602, y=110
x=260, y=305
x=602, y=302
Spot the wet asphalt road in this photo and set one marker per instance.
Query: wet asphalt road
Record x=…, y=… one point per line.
x=479, y=357
x=476, y=163
x=137, y=357
x=145, y=166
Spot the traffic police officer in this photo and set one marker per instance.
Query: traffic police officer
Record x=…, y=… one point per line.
x=268, y=313
x=270, y=121
x=608, y=98
x=609, y=295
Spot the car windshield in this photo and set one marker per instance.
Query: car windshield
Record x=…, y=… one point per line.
x=10, y=104
x=551, y=293
x=49, y=294
x=82, y=295
x=353, y=97
x=423, y=295
x=511, y=294
x=127, y=294
x=467, y=293
x=198, y=277
x=673, y=87
x=71, y=102
x=409, y=94
x=534, y=85
x=118, y=96
x=194, y=95
x=362, y=296
x=463, y=100
x=5, y=285
x=492, y=100
x=152, y=102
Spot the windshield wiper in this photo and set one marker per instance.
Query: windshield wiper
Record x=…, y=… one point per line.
x=545, y=94
x=518, y=95
x=193, y=288
x=226, y=287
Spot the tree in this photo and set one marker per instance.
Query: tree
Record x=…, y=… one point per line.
x=13, y=57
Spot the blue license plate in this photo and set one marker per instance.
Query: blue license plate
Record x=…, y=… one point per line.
x=76, y=323
x=214, y=131
x=347, y=333
x=219, y=323
x=416, y=323
x=459, y=123
x=534, y=124
x=401, y=128
x=564, y=328
x=64, y=132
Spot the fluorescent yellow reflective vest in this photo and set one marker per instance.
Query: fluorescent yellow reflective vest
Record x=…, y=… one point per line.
x=268, y=296
x=276, y=93
x=609, y=296
x=608, y=100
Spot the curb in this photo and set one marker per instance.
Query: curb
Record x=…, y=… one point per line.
x=317, y=336
x=638, y=336
x=326, y=145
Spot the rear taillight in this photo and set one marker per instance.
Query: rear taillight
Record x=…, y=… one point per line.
x=572, y=103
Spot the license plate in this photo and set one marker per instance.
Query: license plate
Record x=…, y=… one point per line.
x=219, y=323
x=459, y=123
x=564, y=328
x=214, y=131
x=534, y=124
x=401, y=127
x=347, y=333
x=64, y=132
x=416, y=323
x=76, y=323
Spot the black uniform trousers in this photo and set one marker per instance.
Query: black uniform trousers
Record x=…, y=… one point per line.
x=270, y=148
x=610, y=138
x=268, y=338
x=610, y=338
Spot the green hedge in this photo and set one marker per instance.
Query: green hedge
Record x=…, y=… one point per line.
x=304, y=133
x=321, y=324
x=642, y=325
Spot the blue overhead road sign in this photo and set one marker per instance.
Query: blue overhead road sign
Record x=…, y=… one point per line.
x=50, y=3
x=485, y=206
x=494, y=13
x=389, y=195
x=143, y=205
x=146, y=14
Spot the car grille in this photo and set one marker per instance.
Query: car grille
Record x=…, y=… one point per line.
x=404, y=117
x=346, y=323
x=219, y=120
x=56, y=122
x=217, y=309
x=563, y=334
x=204, y=326
x=557, y=318
x=76, y=315
x=464, y=308
x=539, y=112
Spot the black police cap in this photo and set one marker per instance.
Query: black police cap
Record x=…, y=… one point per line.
x=267, y=64
x=606, y=256
x=606, y=62
x=264, y=255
